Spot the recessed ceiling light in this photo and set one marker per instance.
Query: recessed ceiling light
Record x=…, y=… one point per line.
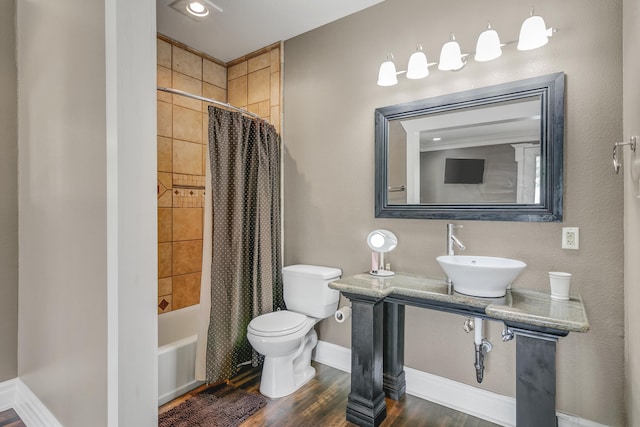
x=197, y=9
x=437, y=138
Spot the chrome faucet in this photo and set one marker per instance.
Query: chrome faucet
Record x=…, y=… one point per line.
x=453, y=240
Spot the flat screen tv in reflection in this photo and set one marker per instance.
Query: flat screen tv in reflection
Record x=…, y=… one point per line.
x=464, y=171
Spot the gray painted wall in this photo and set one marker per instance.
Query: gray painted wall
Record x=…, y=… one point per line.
x=329, y=100
x=87, y=344
x=631, y=126
x=9, y=191
x=62, y=343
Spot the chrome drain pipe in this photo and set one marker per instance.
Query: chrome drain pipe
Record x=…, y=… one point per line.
x=482, y=345
x=481, y=350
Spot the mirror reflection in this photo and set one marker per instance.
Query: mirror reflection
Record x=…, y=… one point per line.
x=481, y=154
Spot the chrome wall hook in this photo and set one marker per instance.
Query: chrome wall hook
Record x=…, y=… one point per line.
x=631, y=143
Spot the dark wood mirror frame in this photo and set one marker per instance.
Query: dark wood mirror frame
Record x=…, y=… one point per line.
x=550, y=88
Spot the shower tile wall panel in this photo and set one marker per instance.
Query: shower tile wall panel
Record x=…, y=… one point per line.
x=187, y=157
x=255, y=82
x=259, y=86
x=214, y=74
x=165, y=121
x=237, y=92
x=186, y=288
x=165, y=225
x=186, y=63
x=251, y=82
x=184, y=180
x=187, y=224
x=164, y=54
x=187, y=124
x=213, y=92
x=188, y=198
x=181, y=138
x=165, y=155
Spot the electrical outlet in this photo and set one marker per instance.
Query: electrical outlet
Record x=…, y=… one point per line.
x=570, y=238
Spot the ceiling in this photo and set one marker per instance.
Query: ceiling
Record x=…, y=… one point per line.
x=245, y=26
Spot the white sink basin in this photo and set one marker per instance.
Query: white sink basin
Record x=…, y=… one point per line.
x=480, y=276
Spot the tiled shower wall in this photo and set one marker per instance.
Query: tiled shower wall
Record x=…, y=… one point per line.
x=251, y=82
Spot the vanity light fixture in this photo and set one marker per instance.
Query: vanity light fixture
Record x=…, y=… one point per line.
x=488, y=47
x=418, y=66
x=533, y=34
x=451, y=58
x=387, y=75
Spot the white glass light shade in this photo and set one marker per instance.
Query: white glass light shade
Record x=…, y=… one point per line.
x=450, y=57
x=488, y=46
x=387, y=74
x=533, y=33
x=418, y=67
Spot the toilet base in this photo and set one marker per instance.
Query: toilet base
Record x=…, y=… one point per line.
x=282, y=376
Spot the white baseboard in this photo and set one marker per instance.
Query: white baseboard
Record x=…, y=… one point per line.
x=474, y=401
x=333, y=355
x=15, y=394
x=471, y=400
x=7, y=394
x=168, y=397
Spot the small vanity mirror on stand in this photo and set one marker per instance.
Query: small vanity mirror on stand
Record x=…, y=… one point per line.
x=381, y=241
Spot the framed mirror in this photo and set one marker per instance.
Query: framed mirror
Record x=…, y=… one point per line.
x=494, y=153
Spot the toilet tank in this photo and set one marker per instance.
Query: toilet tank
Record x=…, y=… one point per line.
x=306, y=289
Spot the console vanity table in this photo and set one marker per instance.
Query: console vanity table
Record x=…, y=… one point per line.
x=377, y=339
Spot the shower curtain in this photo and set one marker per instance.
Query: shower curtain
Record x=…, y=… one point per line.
x=242, y=264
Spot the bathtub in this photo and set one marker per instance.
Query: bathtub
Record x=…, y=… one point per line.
x=177, y=336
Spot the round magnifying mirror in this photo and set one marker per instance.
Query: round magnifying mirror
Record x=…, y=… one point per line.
x=382, y=240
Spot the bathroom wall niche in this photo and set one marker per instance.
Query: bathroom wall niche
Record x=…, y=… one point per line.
x=514, y=130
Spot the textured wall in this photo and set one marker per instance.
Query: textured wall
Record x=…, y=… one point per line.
x=62, y=169
x=330, y=96
x=9, y=191
x=631, y=126
x=87, y=344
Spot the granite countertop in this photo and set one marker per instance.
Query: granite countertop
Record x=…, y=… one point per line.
x=523, y=306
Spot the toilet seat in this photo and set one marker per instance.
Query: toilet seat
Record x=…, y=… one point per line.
x=278, y=323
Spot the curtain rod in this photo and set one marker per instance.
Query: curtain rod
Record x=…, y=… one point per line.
x=211, y=101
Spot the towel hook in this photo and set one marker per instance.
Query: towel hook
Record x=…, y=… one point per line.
x=631, y=143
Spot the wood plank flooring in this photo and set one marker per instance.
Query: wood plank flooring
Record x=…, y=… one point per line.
x=322, y=402
x=9, y=418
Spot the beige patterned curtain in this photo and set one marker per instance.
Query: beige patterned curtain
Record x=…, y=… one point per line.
x=246, y=264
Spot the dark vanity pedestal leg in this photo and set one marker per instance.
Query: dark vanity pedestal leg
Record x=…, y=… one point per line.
x=393, y=381
x=366, y=405
x=535, y=379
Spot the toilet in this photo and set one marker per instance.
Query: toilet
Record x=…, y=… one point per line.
x=286, y=338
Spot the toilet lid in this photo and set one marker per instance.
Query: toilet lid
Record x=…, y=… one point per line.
x=278, y=323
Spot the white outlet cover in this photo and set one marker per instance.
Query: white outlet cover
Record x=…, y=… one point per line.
x=566, y=240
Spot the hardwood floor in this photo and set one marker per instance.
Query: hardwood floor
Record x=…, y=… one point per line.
x=322, y=402
x=9, y=418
